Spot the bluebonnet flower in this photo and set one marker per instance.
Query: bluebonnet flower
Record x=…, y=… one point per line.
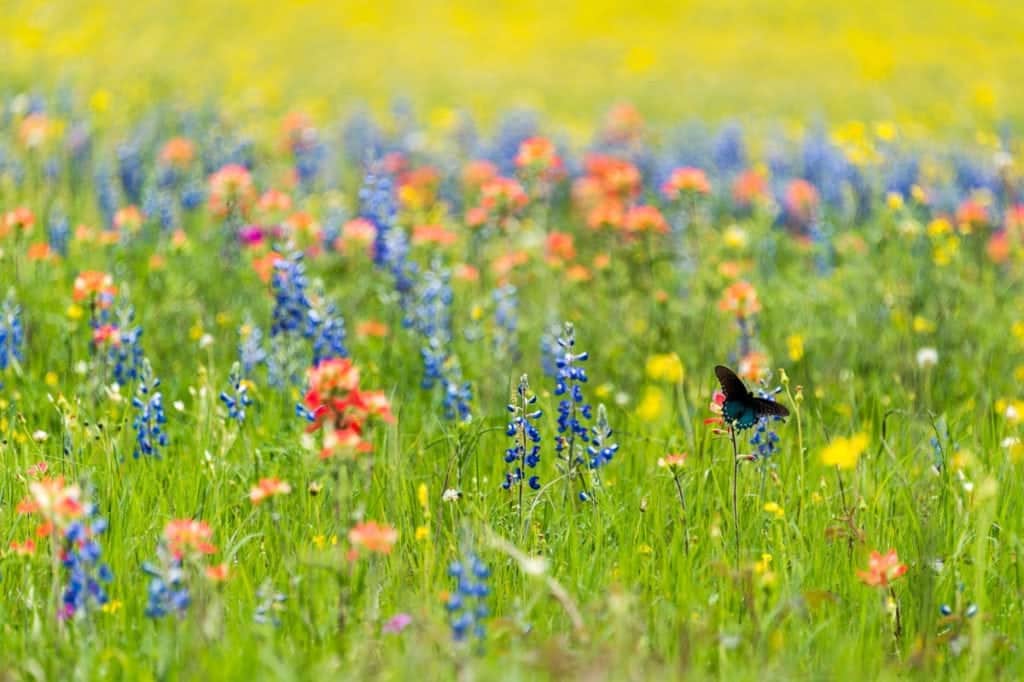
x=291, y=302
x=361, y=139
x=149, y=418
x=390, y=245
x=106, y=195
x=310, y=158
x=506, y=321
x=251, y=352
x=131, y=171
x=525, y=450
x=269, y=603
x=765, y=439
x=86, y=573
x=377, y=204
x=58, y=232
x=467, y=603
x=601, y=448
x=326, y=328
x=549, y=350
x=126, y=355
x=458, y=393
x=431, y=318
x=237, y=397
x=727, y=149
x=12, y=333
x=290, y=323
x=192, y=196
x=572, y=408
x=167, y=591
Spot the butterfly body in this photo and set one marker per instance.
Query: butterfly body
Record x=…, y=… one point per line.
x=741, y=408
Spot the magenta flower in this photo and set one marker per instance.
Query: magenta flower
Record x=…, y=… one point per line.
x=397, y=623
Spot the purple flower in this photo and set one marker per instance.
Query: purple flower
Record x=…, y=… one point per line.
x=251, y=235
x=397, y=623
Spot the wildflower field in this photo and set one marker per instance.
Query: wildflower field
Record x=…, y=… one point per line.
x=569, y=365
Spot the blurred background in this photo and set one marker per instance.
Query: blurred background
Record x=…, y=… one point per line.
x=935, y=64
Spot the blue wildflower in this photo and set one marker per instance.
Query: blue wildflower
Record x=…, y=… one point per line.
x=149, y=418
x=12, y=333
x=525, y=450
x=467, y=603
x=237, y=397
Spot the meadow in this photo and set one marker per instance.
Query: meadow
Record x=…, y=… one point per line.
x=298, y=380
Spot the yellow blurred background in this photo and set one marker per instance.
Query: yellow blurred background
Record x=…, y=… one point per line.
x=951, y=64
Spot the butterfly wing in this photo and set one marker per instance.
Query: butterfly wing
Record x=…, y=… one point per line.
x=769, y=408
x=732, y=386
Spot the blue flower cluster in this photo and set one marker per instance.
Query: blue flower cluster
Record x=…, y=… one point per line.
x=237, y=397
x=601, y=448
x=326, y=328
x=572, y=408
x=765, y=440
x=467, y=604
x=431, y=318
x=126, y=356
x=506, y=322
x=150, y=418
x=168, y=589
x=86, y=573
x=525, y=450
x=291, y=302
x=12, y=333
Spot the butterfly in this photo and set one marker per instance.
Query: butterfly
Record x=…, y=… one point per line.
x=741, y=408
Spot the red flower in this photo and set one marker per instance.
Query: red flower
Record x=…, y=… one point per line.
x=882, y=569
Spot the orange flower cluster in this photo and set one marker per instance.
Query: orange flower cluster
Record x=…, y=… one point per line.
x=58, y=504
x=538, y=158
x=94, y=285
x=501, y=199
x=340, y=409
x=418, y=188
x=377, y=538
x=178, y=152
x=605, y=195
x=801, y=201
x=882, y=569
x=686, y=182
x=188, y=537
x=231, y=189
x=268, y=488
x=749, y=188
x=740, y=299
x=19, y=221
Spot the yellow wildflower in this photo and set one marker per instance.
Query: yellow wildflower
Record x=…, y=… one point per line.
x=774, y=508
x=665, y=367
x=795, y=346
x=844, y=452
x=652, y=405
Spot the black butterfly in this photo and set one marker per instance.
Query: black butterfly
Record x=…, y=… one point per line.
x=741, y=408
